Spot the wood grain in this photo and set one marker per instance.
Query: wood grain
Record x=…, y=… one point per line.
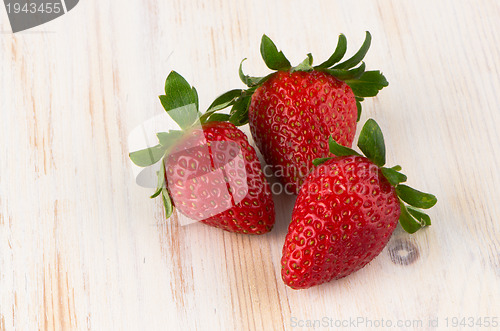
x=83, y=248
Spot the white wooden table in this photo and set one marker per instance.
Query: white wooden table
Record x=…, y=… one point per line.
x=83, y=247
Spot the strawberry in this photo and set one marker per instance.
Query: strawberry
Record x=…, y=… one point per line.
x=346, y=212
x=292, y=111
x=208, y=169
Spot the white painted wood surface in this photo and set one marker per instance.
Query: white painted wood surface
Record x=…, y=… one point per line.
x=83, y=247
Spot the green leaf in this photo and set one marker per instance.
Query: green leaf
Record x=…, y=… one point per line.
x=178, y=87
x=157, y=193
x=360, y=109
x=344, y=74
x=397, y=168
x=184, y=116
x=358, y=105
x=148, y=156
x=197, y=100
x=340, y=150
x=321, y=160
x=393, y=176
x=371, y=142
x=409, y=223
x=274, y=59
x=415, y=198
x=161, y=180
x=167, y=139
x=180, y=100
x=337, y=55
x=167, y=203
x=223, y=101
x=217, y=117
x=358, y=57
x=239, y=112
x=305, y=65
x=368, y=84
x=249, y=80
x=422, y=217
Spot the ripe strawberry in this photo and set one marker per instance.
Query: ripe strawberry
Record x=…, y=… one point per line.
x=292, y=111
x=208, y=170
x=346, y=211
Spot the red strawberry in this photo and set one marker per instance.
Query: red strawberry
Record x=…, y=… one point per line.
x=208, y=170
x=346, y=211
x=214, y=176
x=292, y=111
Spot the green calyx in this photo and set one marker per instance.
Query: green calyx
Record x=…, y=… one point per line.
x=352, y=71
x=181, y=104
x=371, y=143
x=239, y=100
